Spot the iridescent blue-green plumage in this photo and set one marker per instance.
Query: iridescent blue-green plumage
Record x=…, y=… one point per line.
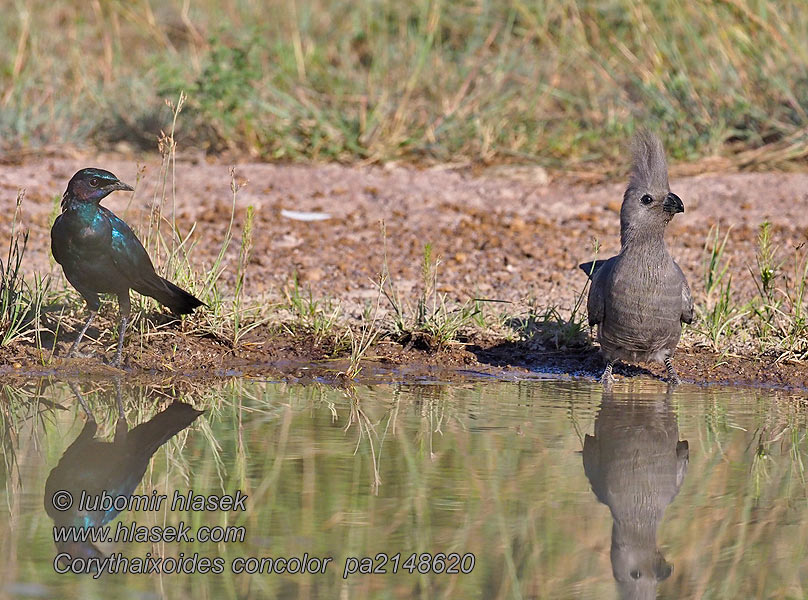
x=93, y=467
x=99, y=253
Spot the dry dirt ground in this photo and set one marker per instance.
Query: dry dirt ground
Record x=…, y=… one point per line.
x=508, y=233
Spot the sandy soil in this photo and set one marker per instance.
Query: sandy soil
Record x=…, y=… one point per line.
x=506, y=233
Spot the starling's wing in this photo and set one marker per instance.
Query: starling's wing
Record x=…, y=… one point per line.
x=136, y=267
x=128, y=254
x=687, y=299
x=596, y=302
x=57, y=239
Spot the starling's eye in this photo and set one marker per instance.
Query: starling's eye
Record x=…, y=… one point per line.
x=94, y=182
x=635, y=574
x=646, y=199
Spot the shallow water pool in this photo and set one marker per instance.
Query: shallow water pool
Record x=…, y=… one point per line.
x=535, y=489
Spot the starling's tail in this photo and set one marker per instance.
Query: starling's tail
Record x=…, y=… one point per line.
x=176, y=299
x=149, y=436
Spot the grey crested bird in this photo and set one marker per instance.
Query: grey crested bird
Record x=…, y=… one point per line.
x=640, y=298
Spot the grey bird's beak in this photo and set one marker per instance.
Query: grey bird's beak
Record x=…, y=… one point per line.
x=120, y=185
x=673, y=204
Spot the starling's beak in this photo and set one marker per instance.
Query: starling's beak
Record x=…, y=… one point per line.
x=120, y=185
x=673, y=204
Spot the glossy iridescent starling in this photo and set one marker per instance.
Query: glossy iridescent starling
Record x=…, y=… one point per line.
x=101, y=254
x=92, y=467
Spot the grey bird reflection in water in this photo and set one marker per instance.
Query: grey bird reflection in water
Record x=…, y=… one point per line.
x=94, y=466
x=635, y=464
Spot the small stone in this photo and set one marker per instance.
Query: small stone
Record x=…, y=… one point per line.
x=518, y=224
x=312, y=275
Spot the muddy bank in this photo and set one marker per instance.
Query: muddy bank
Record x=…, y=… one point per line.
x=298, y=359
x=510, y=234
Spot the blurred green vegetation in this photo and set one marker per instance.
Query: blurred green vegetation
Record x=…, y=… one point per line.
x=560, y=83
x=489, y=468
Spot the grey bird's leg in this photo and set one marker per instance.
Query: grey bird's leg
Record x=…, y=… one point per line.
x=125, y=308
x=75, y=345
x=607, y=379
x=673, y=378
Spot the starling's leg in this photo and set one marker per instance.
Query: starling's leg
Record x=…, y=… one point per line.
x=119, y=353
x=673, y=378
x=121, y=428
x=125, y=307
x=75, y=345
x=607, y=379
x=82, y=403
x=90, y=427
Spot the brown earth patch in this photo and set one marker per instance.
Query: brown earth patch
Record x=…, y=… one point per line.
x=499, y=234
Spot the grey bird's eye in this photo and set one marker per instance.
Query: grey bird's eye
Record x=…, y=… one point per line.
x=646, y=199
x=635, y=574
x=94, y=182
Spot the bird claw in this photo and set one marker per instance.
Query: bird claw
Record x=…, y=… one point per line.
x=673, y=377
x=607, y=379
x=117, y=362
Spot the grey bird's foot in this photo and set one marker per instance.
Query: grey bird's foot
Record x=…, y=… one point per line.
x=673, y=378
x=117, y=362
x=607, y=379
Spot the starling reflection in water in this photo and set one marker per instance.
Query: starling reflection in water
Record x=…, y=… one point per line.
x=93, y=466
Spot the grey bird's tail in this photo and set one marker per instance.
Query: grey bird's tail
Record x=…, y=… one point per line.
x=591, y=267
x=173, y=297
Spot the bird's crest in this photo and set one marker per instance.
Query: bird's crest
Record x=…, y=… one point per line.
x=649, y=170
